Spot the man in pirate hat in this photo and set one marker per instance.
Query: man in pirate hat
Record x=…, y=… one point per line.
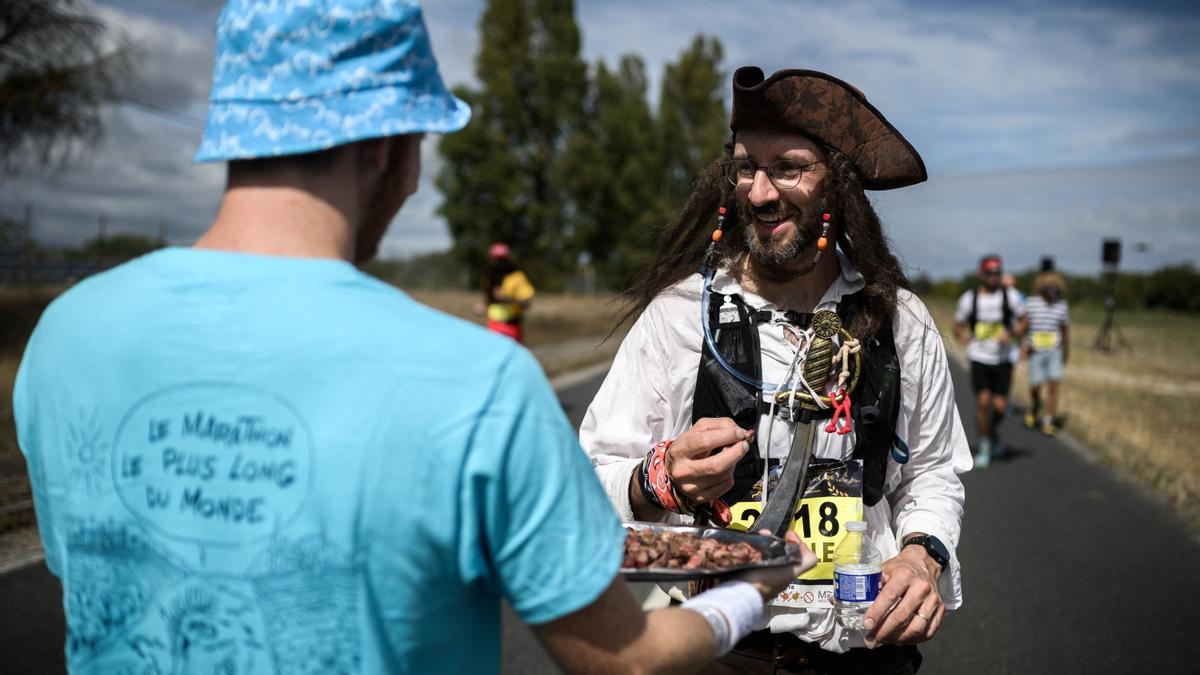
x=264, y=440
x=797, y=313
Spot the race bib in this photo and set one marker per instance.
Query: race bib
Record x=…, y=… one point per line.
x=988, y=331
x=832, y=497
x=503, y=311
x=1044, y=340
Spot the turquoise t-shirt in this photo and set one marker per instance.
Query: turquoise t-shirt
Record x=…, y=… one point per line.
x=253, y=464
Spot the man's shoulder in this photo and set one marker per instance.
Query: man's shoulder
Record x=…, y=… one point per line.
x=685, y=292
x=119, y=285
x=911, y=313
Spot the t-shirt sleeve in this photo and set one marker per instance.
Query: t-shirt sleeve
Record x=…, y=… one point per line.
x=1017, y=302
x=963, y=309
x=552, y=539
x=28, y=440
x=518, y=287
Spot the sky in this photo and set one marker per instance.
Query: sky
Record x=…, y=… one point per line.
x=1045, y=127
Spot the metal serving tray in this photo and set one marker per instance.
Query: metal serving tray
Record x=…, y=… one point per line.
x=776, y=552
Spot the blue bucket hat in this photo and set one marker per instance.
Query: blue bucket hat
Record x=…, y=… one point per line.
x=296, y=77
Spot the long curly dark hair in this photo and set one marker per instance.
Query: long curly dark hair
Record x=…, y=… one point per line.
x=683, y=242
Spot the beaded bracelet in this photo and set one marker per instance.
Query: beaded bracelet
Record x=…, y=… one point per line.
x=659, y=490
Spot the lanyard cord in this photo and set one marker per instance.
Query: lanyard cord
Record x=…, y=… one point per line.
x=760, y=385
x=794, y=373
x=705, y=292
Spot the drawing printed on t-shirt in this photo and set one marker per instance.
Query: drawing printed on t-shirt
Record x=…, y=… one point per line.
x=86, y=453
x=210, y=475
x=307, y=592
x=113, y=575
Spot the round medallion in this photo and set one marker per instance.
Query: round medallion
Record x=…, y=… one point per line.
x=826, y=324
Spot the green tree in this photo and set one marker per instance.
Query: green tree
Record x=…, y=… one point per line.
x=612, y=173
x=119, y=247
x=692, y=118
x=498, y=180
x=55, y=72
x=632, y=170
x=1174, y=287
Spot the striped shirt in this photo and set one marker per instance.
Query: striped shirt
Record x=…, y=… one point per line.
x=1045, y=322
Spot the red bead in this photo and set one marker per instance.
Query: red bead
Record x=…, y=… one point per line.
x=721, y=210
x=825, y=217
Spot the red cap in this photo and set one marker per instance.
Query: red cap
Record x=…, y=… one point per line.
x=990, y=263
x=498, y=250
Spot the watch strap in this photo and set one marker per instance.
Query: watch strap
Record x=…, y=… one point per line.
x=925, y=541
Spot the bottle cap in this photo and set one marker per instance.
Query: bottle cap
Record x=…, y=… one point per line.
x=857, y=526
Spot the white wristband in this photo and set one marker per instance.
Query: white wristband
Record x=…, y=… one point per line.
x=732, y=609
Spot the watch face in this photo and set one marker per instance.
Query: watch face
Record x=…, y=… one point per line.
x=934, y=546
x=938, y=550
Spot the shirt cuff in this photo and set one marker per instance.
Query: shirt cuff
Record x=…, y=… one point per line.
x=614, y=477
x=950, y=580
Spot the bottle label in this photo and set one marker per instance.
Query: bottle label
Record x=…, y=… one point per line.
x=856, y=587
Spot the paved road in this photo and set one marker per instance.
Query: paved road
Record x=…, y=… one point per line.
x=1067, y=569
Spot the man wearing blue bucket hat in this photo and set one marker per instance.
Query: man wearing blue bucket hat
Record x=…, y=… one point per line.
x=247, y=456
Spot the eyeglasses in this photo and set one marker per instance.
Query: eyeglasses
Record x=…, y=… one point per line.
x=784, y=174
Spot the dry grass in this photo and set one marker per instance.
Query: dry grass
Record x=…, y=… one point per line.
x=1137, y=407
x=564, y=332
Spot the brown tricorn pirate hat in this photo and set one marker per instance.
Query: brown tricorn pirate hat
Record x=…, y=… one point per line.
x=832, y=112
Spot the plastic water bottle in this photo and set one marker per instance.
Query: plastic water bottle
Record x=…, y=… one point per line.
x=857, y=569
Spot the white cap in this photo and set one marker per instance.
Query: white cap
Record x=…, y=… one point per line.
x=857, y=526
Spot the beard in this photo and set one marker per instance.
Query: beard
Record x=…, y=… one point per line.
x=778, y=254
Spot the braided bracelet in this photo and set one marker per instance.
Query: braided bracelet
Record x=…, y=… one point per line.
x=659, y=490
x=656, y=481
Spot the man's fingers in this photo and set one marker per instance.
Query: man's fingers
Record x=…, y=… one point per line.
x=900, y=619
x=808, y=559
x=891, y=591
x=703, y=492
x=720, y=463
x=699, y=445
x=706, y=435
x=939, y=612
x=713, y=423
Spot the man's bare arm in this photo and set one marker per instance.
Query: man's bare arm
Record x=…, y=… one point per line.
x=614, y=635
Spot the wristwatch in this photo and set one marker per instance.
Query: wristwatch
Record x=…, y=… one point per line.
x=933, y=546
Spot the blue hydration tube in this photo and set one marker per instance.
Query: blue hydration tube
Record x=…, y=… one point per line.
x=764, y=387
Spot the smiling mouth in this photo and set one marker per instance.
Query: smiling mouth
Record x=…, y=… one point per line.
x=773, y=221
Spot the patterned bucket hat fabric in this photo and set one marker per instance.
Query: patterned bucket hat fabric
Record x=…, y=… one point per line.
x=829, y=110
x=296, y=76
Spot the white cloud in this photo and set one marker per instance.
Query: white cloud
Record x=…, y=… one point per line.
x=1044, y=129
x=175, y=68
x=945, y=225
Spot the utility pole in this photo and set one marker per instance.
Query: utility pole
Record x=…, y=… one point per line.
x=1110, y=256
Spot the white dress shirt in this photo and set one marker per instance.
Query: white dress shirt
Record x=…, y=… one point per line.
x=647, y=397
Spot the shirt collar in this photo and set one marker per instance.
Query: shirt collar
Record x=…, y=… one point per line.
x=849, y=281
